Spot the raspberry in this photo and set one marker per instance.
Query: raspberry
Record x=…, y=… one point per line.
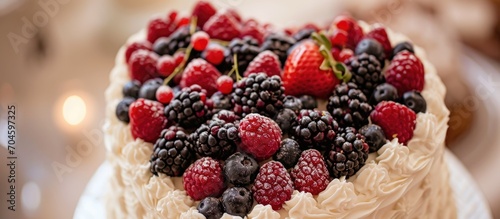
x=348, y=154
x=188, y=108
x=406, y=73
x=199, y=40
x=142, y=65
x=273, y=185
x=225, y=84
x=203, y=179
x=279, y=44
x=146, y=119
x=379, y=34
x=172, y=152
x=253, y=29
x=310, y=174
x=217, y=139
x=236, y=15
x=166, y=65
x=164, y=94
x=266, y=62
x=145, y=45
x=161, y=27
x=202, y=73
x=315, y=129
x=214, y=53
x=397, y=121
x=339, y=37
x=240, y=169
x=222, y=26
x=203, y=11
x=260, y=136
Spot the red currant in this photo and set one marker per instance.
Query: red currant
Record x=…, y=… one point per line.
x=214, y=54
x=339, y=37
x=164, y=94
x=179, y=57
x=200, y=40
x=225, y=84
x=166, y=65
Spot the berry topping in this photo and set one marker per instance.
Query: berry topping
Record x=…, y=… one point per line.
x=406, y=73
x=349, y=106
x=211, y=208
x=404, y=46
x=172, y=153
x=199, y=40
x=273, y=185
x=374, y=136
x=202, y=73
x=315, y=129
x=383, y=92
x=131, y=89
x=266, y=62
x=245, y=49
x=258, y=93
x=304, y=33
x=260, y=136
x=225, y=84
x=366, y=72
x=240, y=169
x=348, y=154
x=288, y=153
x=218, y=101
x=214, y=53
x=161, y=27
x=204, y=178
x=350, y=33
x=166, y=65
x=279, y=44
x=308, y=102
x=122, y=109
x=144, y=45
x=164, y=94
x=187, y=108
x=217, y=139
x=286, y=119
x=222, y=26
x=146, y=119
x=179, y=39
x=414, y=101
x=379, y=34
x=253, y=29
x=227, y=116
x=371, y=47
x=149, y=88
x=397, y=121
x=203, y=11
x=142, y=65
x=310, y=174
x=237, y=201
x=293, y=103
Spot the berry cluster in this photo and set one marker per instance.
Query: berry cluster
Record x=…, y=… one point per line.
x=231, y=104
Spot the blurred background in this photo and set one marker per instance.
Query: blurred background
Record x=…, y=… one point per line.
x=56, y=55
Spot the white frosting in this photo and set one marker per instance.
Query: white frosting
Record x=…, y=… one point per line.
x=398, y=182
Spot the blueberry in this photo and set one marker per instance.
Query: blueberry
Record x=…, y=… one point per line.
x=240, y=169
x=237, y=201
x=371, y=47
x=402, y=47
x=211, y=208
x=288, y=153
x=148, y=89
x=308, y=102
x=122, y=109
x=131, y=89
x=414, y=101
x=293, y=103
x=374, y=136
x=383, y=92
x=161, y=46
x=286, y=119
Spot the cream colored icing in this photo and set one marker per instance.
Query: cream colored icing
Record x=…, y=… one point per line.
x=396, y=182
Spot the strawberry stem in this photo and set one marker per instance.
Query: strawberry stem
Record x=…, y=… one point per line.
x=325, y=47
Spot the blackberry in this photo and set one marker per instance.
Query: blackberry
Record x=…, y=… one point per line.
x=308, y=102
x=315, y=129
x=237, y=201
x=371, y=47
x=226, y=115
x=374, y=136
x=288, y=153
x=286, y=119
x=246, y=50
x=217, y=139
x=122, y=109
x=293, y=103
x=131, y=89
x=187, y=108
x=171, y=152
x=240, y=169
x=303, y=34
x=348, y=154
x=349, y=106
x=180, y=39
x=402, y=47
x=366, y=72
x=279, y=45
x=220, y=102
x=148, y=89
x=383, y=92
x=414, y=101
x=258, y=93
x=211, y=208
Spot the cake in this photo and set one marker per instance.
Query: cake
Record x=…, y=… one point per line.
x=214, y=116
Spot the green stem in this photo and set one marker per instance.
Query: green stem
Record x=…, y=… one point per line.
x=181, y=66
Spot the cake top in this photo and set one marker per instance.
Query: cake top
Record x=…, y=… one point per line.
x=246, y=113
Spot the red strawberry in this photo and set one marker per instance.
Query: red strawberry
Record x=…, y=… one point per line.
x=266, y=62
x=161, y=27
x=302, y=73
x=202, y=73
x=379, y=34
x=146, y=119
x=203, y=11
x=222, y=26
x=406, y=73
x=204, y=178
x=142, y=65
x=310, y=173
x=397, y=120
x=253, y=29
x=145, y=45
